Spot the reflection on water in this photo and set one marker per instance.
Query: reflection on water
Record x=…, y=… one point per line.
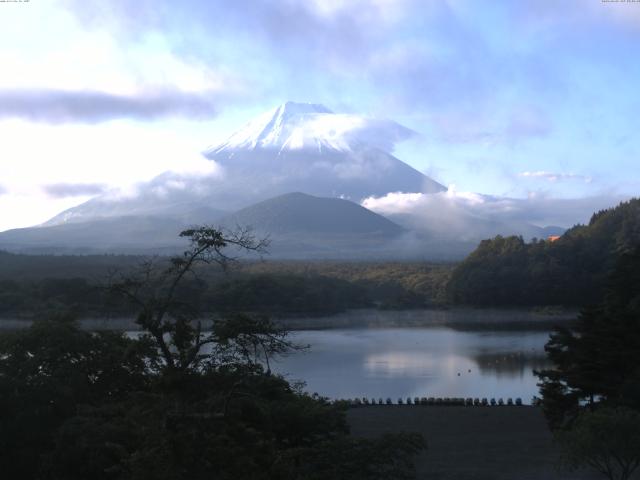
x=399, y=364
x=409, y=362
x=511, y=364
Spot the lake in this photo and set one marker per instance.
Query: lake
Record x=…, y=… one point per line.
x=420, y=361
x=414, y=353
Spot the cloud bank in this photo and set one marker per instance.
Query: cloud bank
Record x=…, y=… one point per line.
x=62, y=190
x=555, y=177
x=469, y=215
x=59, y=106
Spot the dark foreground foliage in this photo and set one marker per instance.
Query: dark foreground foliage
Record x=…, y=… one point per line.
x=78, y=405
x=571, y=271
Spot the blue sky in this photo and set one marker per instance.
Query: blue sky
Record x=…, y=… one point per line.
x=533, y=99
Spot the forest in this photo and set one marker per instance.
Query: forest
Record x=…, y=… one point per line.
x=30, y=285
x=570, y=271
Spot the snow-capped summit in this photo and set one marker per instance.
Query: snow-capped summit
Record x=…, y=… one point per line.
x=306, y=147
x=272, y=128
x=311, y=127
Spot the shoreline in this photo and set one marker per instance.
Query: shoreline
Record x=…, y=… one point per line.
x=457, y=318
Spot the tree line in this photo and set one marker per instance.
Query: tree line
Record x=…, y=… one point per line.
x=32, y=285
x=570, y=271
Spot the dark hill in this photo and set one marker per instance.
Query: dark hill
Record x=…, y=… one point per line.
x=301, y=213
x=303, y=226
x=299, y=226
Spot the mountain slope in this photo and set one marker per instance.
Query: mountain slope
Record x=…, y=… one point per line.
x=305, y=214
x=126, y=234
x=146, y=204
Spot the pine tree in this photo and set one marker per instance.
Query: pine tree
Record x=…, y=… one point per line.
x=596, y=362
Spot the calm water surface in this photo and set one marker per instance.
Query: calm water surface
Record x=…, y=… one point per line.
x=423, y=362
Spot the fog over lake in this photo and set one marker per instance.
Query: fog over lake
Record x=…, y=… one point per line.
x=419, y=361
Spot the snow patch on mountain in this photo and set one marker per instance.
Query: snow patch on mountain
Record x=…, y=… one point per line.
x=308, y=126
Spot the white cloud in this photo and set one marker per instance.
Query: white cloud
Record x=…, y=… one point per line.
x=118, y=155
x=346, y=129
x=395, y=203
x=464, y=216
x=65, y=189
x=62, y=106
x=467, y=215
x=554, y=177
x=45, y=48
x=26, y=210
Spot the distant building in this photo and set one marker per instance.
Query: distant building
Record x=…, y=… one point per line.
x=553, y=238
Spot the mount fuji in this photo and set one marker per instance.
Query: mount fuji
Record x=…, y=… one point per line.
x=296, y=147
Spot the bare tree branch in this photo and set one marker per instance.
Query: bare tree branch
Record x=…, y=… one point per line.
x=153, y=290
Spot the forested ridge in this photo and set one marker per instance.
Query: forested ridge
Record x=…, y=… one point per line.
x=30, y=285
x=569, y=271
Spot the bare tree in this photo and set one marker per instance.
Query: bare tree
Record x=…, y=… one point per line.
x=250, y=340
x=153, y=289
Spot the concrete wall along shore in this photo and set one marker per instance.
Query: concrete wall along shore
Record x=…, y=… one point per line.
x=437, y=401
